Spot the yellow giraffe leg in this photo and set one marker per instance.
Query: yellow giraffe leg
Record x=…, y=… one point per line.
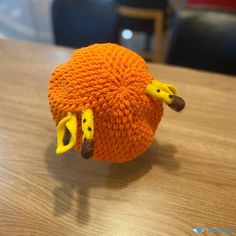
x=87, y=133
x=166, y=93
x=165, y=87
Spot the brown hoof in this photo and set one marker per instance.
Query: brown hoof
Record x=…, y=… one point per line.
x=178, y=104
x=87, y=149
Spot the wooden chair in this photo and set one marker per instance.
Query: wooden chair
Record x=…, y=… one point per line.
x=158, y=17
x=158, y=13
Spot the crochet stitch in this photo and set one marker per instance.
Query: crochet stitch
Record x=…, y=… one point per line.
x=107, y=86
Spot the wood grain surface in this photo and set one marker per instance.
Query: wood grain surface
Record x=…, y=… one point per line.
x=187, y=178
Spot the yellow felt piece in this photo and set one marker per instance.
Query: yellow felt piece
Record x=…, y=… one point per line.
x=159, y=93
x=87, y=124
x=168, y=88
x=172, y=89
x=69, y=122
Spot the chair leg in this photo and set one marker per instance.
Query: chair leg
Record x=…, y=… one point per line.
x=158, y=37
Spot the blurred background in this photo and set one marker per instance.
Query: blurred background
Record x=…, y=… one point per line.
x=199, y=34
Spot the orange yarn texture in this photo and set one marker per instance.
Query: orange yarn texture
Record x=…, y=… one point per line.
x=110, y=80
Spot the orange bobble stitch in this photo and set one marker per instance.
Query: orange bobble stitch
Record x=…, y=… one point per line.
x=110, y=80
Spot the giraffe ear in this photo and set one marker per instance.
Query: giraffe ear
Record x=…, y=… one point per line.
x=66, y=129
x=172, y=89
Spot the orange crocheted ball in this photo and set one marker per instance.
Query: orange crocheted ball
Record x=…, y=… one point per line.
x=110, y=80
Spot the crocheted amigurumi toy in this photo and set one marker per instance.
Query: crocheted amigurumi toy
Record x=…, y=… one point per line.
x=106, y=104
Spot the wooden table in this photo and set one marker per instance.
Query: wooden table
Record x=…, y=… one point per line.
x=186, y=178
